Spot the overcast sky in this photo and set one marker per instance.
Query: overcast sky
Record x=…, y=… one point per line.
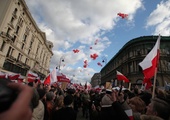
x=77, y=24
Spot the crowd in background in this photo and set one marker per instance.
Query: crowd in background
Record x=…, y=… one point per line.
x=50, y=102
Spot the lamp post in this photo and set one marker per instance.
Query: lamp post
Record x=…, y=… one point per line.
x=61, y=60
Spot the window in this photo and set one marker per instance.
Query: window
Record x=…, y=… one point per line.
x=20, y=21
x=27, y=30
x=24, y=37
x=22, y=47
x=12, y=20
x=17, y=30
x=31, y=44
x=29, y=51
x=2, y=46
x=26, y=61
x=15, y=11
x=19, y=57
x=8, y=31
x=138, y=52
x=10, y=51
x=130, y=67
x=14, y=38
x=37, y=49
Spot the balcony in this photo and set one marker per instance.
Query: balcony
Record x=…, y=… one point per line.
x=8, y=37
x=10, y=58
x=26, y=66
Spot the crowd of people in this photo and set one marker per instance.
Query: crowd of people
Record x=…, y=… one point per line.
x=36, y=101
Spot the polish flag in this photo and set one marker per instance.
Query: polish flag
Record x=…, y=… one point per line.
x=13, y=76
x=31, y=77
x=51, y=78
x=2, y=75
x=147, y=83
x=150, y=62
x=120, y=76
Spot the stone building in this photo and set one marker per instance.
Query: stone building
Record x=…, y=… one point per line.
x=96, y=79
x=23, y=46
x=131, y=54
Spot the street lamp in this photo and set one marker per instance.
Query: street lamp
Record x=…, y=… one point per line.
x=61, y=60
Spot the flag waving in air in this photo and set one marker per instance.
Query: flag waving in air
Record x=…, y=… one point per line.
x=150, y=62
x=51, y=78
x=120, y=76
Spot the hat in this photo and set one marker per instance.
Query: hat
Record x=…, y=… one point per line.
x=106, y=101
x=68, y=100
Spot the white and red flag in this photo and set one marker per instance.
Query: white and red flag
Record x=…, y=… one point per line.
x=13, y=76
x=2, y=75
x=120, y=76
x=150, y=62
x=51, y=78
x=31, y=77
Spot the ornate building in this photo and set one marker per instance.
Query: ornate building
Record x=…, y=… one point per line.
x=96, y=79
x=131, y=54
x=23, y=46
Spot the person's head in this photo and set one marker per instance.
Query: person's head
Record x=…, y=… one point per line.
x=59, y=101
x=106, y=101
x=150, y=117
x=68, y=100
x=41, y=93
x=50, y=96
x=159, y=107
x=35, y=99
x=137, y=104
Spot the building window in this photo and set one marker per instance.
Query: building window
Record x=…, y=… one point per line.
x=24, y=37
x=37, y=49
x=138, y=52
x=14, y=38
x=27, y=30
x=130, y=67
x=22, y=47
x=8, y=31
x=130, y=53
x=10, y=51
x=2, y=46
x=15, y=11
x=29, y=51
x=17, y=30
x=31, y=43
x=26, y=61
x=20, y=21
x=19, y=57
x=12, y=20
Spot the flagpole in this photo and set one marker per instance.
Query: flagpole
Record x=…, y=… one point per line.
x=120, y=88
x=154, y=83
x=129, y=86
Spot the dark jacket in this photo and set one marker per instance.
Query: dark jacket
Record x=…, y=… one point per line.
x=66, y=113
x=114, y=112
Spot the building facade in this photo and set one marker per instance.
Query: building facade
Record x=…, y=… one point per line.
x=96, y=79
x=131, y=54
x=23, y=46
